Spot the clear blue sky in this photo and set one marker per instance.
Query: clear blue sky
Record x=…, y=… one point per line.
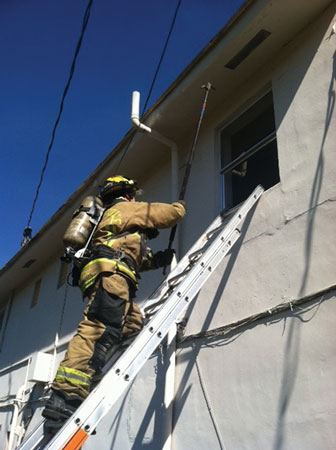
x=119, y=54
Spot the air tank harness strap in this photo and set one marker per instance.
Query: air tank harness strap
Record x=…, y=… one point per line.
x=91, y=211
x=105, y=259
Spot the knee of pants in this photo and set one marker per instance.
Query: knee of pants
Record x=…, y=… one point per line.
x=107, y=308
x=133, y=320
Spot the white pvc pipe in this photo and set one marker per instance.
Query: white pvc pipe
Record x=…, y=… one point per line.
x=135, y=114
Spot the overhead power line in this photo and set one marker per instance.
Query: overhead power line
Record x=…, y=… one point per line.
x=27, y=231
x=162, y=56
x=154, y=79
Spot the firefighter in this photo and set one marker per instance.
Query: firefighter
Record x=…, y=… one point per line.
x=109, y=281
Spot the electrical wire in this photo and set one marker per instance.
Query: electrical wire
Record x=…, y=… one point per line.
x=72, y=70
x=270, y=314
x=209, y=407
x=162, y=56
x=153, y=80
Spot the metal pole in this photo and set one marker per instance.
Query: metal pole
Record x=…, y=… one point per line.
x=207, y=88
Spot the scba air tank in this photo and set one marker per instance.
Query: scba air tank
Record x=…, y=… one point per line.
x=83, y=221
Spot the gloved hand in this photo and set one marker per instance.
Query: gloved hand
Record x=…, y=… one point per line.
x=163, y=258
x=151, y=233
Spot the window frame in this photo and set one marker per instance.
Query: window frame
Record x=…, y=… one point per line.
x=241, y=121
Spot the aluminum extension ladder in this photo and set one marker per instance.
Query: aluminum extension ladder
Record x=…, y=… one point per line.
x=164, y=306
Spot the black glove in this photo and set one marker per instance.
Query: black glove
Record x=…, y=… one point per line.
x=163, y=258
x=151, y=233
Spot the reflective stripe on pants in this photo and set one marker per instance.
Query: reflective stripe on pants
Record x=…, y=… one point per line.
x=75, y=377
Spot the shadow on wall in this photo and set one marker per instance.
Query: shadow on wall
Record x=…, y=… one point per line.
x=157, y=411
x=154, y=409
x=317, y=183
x=117, y=419
x=291, y=363
x=295, y=78
x=153, y=417
x=181, y=394
x=293, y=339
x=289, y=373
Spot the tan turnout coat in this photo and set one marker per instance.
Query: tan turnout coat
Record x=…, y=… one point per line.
x=123, y=227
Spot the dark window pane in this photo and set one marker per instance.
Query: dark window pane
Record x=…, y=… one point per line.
x=262, y=168
x=239, y=137
x=252, y=133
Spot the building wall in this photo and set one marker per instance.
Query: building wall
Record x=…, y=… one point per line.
x=269, y=385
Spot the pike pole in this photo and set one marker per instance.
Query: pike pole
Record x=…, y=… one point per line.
x=207, y=88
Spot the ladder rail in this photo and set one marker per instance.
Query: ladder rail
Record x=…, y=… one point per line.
x=78, y=428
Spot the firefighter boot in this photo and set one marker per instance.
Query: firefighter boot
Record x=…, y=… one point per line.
x=59, y=408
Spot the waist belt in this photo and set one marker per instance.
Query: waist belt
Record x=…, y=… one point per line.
x=103, y=251
x=107, y=260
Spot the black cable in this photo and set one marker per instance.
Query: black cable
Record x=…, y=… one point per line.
x=72, y=70
x=153, y=81
x=162, y=56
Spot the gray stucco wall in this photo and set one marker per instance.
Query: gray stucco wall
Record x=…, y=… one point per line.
x=270, y=386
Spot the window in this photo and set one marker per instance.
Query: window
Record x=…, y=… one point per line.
x=36, y=293
x=249, y=154
x=63, y=272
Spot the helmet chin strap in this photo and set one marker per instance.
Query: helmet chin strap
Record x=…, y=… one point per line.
x=129, y=197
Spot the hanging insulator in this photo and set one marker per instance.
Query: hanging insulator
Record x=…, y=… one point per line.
x=27, y=236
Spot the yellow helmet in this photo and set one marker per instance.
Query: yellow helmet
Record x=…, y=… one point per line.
x=118, y=185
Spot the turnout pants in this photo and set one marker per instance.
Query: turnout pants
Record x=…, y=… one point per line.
x=109, y=316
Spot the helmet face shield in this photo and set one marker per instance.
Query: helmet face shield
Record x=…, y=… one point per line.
x=118, y=186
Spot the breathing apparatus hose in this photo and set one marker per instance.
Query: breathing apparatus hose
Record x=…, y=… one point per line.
x=207, y=88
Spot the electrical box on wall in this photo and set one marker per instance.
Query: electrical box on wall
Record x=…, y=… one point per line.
x=41, y=368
